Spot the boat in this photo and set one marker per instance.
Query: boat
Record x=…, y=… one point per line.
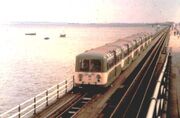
x=30, y=33
x=46, y=38
x=62, y=35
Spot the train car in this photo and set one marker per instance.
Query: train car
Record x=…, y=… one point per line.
x=149, y=39
x=94, y=66
x=126, y=48
x=102, y=65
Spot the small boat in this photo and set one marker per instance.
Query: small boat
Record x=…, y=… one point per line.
x=30, y=33
x=46, y=38
x=62, y=35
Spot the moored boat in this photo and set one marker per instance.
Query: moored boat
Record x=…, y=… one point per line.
x=30, y=33
x=62, y=35
x=46, y=38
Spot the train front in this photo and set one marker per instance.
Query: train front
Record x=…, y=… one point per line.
x=90, y=70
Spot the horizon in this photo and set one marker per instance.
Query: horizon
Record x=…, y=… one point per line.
x=50, y=22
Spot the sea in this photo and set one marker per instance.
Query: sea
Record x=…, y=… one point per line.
x=30, y=64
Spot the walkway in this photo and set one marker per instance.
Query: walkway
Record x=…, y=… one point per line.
x=174, y=107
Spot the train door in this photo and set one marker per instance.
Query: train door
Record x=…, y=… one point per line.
x=128, y=59
x=115, y=61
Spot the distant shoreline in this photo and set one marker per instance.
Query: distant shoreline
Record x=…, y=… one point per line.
x=86, y=24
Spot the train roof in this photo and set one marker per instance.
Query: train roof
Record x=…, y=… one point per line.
x=107, y=50
x=100, y=51
x=130, y=40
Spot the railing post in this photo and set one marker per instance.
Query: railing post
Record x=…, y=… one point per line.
x=66, y=86
x=160, y=104
x=34, y=105
x=46, y=97
x=57, y=91
x=73, y=82
x=19, y=110
x=155, y=110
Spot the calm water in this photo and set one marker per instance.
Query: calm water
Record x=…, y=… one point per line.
x=30, y=64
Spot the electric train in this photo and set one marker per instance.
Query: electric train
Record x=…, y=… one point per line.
x=102, y=65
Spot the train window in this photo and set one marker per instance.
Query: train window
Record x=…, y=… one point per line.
x=130, y=49
x=126, y=49
x=95, y=65
x=119, y=57
x=125, y=52
x=110, y=63
x=84, y=65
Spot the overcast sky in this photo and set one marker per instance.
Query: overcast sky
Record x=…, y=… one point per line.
x=89, y=11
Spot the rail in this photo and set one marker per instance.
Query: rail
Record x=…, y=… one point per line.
x=40, y=101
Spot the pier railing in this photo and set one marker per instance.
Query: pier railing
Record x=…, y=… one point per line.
x=159, y=99
x=40, y=101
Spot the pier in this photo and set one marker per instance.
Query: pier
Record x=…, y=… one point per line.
x=148, y=88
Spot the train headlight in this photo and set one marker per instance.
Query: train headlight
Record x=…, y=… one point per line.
x=80, y=77
x=98, y=77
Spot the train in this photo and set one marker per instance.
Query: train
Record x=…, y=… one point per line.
x=102, y=65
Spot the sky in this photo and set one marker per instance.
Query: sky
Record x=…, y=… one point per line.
x=89, y=11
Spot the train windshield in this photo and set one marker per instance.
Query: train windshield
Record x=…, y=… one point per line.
x=92, y=65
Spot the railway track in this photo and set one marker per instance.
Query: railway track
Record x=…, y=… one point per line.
x=144, y=90
x=152, y=82
x=132, y=100
x=82, y=98
x=76, y=106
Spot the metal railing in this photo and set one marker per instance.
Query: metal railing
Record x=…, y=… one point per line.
x=160, y=95
x=40, y=101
